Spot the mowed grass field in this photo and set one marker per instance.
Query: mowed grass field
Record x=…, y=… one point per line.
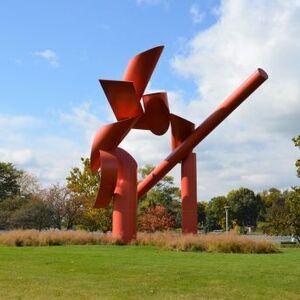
x=143, y=272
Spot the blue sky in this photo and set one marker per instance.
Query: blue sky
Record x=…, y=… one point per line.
x=53, y=53
x=91, y=39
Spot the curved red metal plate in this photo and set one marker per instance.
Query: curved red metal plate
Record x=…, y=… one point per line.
x=122, y=98
x=108, y=138
x=108, y=180
x=140, y=69
x=180, y=129
x=157, y=115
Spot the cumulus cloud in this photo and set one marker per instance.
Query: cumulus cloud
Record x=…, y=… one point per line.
x=253, y=147
x=48, y=156
x=20, y=157
x=8, y=121
x=84, y=119
x=50, y=56
x=13, y=146
x=197, y=15
x=54, y=156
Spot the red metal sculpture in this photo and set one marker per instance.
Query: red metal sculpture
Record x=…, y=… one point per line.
x=119, y=169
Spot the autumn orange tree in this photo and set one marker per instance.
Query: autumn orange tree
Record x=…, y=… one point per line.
x=156, y=218
x=164, y=194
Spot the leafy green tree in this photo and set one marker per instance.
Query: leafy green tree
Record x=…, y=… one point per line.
x=7, y=209
x=283, y=216
x=296, y=141
x=84, y=187
x=215, y=213
x=201, y=210
x=83, y=183
x=35, y=214
x=9, y=175
x=245, y=206
x=163, y=193
x=293, y=212
x=96, y=219
x=277, y=218
x=267, y=197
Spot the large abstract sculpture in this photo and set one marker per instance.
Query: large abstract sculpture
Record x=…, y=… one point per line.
x=118, y=181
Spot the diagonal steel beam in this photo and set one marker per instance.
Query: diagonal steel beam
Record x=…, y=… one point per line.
x=221, y=113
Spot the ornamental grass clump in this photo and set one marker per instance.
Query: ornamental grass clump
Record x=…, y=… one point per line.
x=187, y=242
x=54, y=238
x=169, y=240
x=225, y=243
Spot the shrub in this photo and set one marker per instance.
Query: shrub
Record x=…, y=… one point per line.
x=96, y=219
x=156, y=218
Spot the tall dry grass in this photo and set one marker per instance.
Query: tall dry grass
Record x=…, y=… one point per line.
x=54, y=238
x=226, y=243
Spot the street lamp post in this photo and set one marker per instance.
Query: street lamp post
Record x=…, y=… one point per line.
x=226, y=216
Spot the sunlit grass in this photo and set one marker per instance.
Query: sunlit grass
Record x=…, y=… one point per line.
x=143, y=272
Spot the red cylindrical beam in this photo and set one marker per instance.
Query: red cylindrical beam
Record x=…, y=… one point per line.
x=227, y=107
x=125, y=198
x=189, y=194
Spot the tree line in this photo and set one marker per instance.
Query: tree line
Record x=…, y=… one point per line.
x=25, y=204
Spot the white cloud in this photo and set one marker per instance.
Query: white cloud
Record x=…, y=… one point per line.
x=197, y=15
x=8, y=121
x=54, y=156
x=253, y=146
x=166, y=3
x=48, y=156
x=50, y=56
x=82, y=118
x=20, y=157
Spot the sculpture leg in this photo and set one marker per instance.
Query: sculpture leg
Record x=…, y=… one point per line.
x=125, y=198
x=189, y=194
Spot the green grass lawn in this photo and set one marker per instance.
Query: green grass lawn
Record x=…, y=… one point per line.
x=135, y=272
